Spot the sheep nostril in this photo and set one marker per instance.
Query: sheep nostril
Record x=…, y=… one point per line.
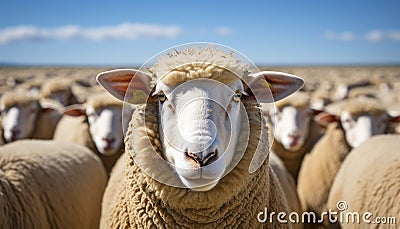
x=202, y=161
x=15, y=132
x=109, y=140
x=210, y=158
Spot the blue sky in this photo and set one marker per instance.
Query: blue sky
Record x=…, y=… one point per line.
x=268, y=32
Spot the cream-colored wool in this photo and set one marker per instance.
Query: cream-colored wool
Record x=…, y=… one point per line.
x=76, y=130
x=49, y=184
x=197, y=62
x=142, y=202
x=46, y=122
x=357, y=106
x=296, y=100
x=11, y=99
x=319, y=168
x=288, y=186
x=2, y=141
x=58, y=85
x=294, y=159
x=368, y=181
x=100, y=100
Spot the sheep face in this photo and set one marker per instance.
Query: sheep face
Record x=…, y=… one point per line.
x=199, y=128
x=360, y=128
x=292, y=126
x=105, y=126
x=199, y=119
x=61, y=96
x=18, y=122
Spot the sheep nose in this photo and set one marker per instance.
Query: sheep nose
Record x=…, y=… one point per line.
x=109, y=140
x=202, y=159
x=294, y=135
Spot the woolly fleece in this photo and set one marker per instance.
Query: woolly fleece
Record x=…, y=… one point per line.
x=369, y=180
x=49, y=184
x=319, y=168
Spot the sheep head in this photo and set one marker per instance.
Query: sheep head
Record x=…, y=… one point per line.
x=200, y=112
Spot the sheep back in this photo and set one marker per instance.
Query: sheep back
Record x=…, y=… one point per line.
x=369, y=180
x=319, y=168
x=49, y=184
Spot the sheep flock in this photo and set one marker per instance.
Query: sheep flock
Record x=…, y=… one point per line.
x=194, y=142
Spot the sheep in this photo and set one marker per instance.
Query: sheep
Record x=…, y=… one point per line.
x=368, y=181
x=97, y=126
x=288, y=185
x=49, y=184
x=295, y=131
x=23, y=116
x=178, y=171
x=349, y=123
x=58, y=89
x=320, y=99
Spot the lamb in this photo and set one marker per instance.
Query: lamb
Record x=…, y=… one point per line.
x=23, y=116
x=368, y=181
x=349, y=123
x=49, y=184
x=58, y=89
x=97, y=125
x=181, y=171
x=295, y=131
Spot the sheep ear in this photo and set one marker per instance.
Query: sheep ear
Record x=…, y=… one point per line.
x=75, y=110
x=268, y=86
x=324, y=118
x=118, y=82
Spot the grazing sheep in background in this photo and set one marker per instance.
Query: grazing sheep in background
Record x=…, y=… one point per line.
x=58, y=89
x=349, y=123
x=96, y=125
x=295, y=131
x=190, y=153
x=368, y=181
x=23, y=116
x=49, y=184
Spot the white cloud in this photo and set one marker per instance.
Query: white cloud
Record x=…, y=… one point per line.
x=378, y=35
x=224, y=31
x=125, y=31
x=344, y=36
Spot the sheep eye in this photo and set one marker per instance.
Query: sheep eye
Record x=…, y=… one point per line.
x=237, y=96
x=162, y=97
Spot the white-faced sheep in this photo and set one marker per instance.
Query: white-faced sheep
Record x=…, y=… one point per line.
x=58, y=89
x=350, y=123
x=23, y=116
x=181, y=166
x=96, y=125
x=368, y=181
x=295, y=130
x=49, y=184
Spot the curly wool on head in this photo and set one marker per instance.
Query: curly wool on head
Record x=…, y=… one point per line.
x=357, y=106
x=12, y=98
x=297, y=100
x=198, y=62
x=103, y=99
